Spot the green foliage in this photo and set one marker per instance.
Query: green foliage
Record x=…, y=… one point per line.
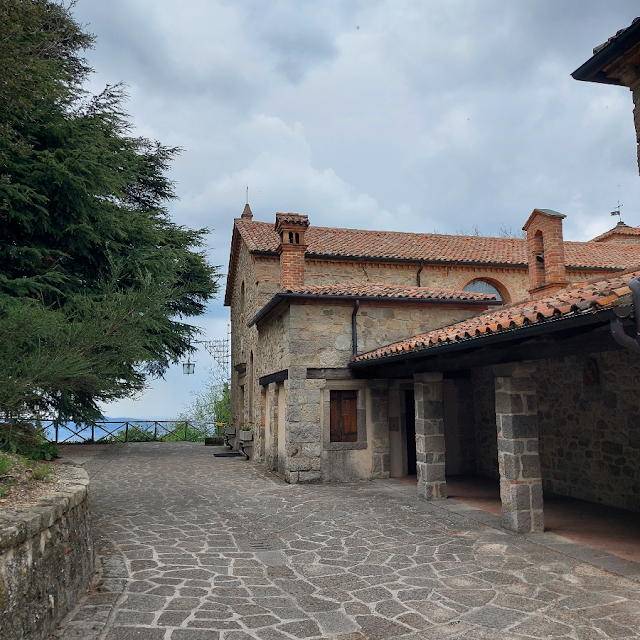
x=6, y=464
x=24, y=439
x=95, y=278
x=245, y=427
x=42, y=472
x=211, y=404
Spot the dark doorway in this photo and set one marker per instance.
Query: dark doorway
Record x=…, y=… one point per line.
x=410, y=412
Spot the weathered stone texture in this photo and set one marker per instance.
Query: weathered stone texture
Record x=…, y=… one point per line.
x=46, y=560
x=430, y=443
x=590, y=435
x=485, y=421
x=518, y=459
x=379, y=440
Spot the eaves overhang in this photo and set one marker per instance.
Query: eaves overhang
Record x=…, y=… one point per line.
x=593, y=70
x=285, y=297
x=570, y=321
x=426, y=261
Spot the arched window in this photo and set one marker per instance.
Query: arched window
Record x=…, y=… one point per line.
x=481, y=286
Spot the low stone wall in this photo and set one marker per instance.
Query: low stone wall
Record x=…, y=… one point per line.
x=46, y=558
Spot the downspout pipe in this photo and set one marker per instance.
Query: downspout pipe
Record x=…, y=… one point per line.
x=354, y=329
x=617, y=326
x=418, y=283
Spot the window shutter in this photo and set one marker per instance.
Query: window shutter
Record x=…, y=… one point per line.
x=343, y=417
x=335, y=417
x=349, y=416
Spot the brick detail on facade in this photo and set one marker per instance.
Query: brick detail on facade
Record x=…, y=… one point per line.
x=430, y=446
x=292, y=266
x=291, y=228
x=518, y=444
x=545, y=250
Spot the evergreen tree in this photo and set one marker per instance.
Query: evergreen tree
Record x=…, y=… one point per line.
x=95, y=279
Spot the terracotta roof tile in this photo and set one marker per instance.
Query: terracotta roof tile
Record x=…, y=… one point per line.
x=430, y=247
x=376, y=290
x=573, y=301
x=621, y=229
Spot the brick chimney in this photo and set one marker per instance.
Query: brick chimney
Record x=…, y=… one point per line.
x=291, y=228
x=545, y=248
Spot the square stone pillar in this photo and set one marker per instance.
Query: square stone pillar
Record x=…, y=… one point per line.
x=380, y=456
x=430, y=448
x=303, y=444
x=518, y=442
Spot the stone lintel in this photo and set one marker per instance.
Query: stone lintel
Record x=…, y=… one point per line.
x=428, y=377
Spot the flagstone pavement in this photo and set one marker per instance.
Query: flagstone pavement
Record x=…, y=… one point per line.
x=193, y=547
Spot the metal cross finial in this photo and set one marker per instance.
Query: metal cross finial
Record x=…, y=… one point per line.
x=617, y=212
x=247, y=194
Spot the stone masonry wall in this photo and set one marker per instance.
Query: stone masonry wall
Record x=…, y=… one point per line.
x=512, y=281
x=590, y=428
x=244, y=340
x=320, y=334
x=485, y=421
x=46, y=559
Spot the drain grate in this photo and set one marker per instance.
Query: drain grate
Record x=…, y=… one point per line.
x=231, y=454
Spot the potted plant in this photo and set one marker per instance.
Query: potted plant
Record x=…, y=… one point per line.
x=246, y=433
x=230, y=430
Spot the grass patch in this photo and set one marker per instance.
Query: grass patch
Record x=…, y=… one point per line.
x=42, y=472
x=6, y=464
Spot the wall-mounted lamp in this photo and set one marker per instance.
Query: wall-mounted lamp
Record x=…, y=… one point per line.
x=539, y=258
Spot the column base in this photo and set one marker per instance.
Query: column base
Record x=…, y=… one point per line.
x=432, y=490
x=529, y=521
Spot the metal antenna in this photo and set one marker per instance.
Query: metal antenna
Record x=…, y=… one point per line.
x=219, y=350
x=247, y=194
x=617, y=212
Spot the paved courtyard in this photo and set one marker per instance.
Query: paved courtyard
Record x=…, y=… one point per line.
x=194, y=547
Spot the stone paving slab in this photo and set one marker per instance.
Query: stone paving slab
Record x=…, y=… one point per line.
x=194, y=547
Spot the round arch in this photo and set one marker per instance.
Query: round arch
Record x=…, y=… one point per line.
x=488, y=285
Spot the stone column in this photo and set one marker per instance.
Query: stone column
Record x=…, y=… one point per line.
x=271, y=452
x=518, y=441
x=303, y=443
x=379, y=390
x=430, y=449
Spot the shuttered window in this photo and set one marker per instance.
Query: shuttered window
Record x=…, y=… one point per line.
x=344, y=416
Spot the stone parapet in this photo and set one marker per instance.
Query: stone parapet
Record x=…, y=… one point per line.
x=518, y=444
x=46, y=559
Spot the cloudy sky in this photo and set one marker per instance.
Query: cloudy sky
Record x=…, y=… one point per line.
x=423, y=115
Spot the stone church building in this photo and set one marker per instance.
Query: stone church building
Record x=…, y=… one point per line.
x=371, y=354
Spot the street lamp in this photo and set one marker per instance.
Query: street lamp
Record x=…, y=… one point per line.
x=188, y=367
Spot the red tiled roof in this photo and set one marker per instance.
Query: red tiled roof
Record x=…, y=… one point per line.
x=395, y=245
x=600, y=47
x=580, y=298
x=621, y=229
x=376, y=290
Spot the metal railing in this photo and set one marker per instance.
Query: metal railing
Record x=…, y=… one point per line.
x=111, y=431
